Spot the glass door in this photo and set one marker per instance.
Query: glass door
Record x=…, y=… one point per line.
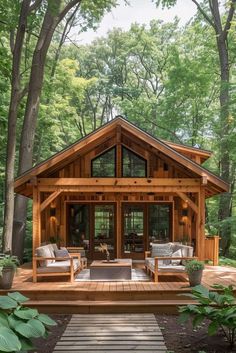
x=133, y=231
x=159, y=223
x=79, y=226
x=104, y=230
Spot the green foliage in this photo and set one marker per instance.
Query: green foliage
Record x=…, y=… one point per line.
x=217, y=306
x=8, y=261
x=19, y=325
x=194, y=265
x=224, y=261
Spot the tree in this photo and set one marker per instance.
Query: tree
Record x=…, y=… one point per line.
x=52, y=13
x=221, y=25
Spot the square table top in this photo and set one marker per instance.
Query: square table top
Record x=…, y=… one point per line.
x=117, y=263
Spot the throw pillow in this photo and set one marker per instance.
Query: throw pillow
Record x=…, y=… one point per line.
x=162, y=250
x=63, y=252
x=177, y=253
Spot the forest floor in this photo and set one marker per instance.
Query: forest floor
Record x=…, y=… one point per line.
x=179, y=338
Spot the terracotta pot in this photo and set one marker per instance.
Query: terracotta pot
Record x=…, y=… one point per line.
x=195, y=278
x=6, y=278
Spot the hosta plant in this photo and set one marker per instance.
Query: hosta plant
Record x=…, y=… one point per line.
x=19, y=324
x=217, y=306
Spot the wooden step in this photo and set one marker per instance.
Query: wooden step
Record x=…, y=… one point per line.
x=122, y=306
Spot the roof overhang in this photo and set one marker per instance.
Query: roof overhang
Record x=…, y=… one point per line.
x=214, y=182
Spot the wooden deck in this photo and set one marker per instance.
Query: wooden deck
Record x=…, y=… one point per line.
x=59, y=295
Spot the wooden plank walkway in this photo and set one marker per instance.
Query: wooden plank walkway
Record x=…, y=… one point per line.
x=112, y=333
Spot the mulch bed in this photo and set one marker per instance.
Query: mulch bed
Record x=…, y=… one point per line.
x=179, y=338
x=183, y=339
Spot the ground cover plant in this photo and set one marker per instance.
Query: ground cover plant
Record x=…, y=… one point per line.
x=19, y=324
x=218, y=307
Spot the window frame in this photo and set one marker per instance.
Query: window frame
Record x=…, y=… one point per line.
x=122, y=164
x=100, y=155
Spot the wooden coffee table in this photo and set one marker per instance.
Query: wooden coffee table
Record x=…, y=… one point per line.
x=120, y=269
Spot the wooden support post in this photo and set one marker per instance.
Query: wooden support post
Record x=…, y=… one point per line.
x=36, y=219
x=118, y=229
x=71, y=270
x=200, y=224
x=156, y=270
x=34, y=269
x=212, y=249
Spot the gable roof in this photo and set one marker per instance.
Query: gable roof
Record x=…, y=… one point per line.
x=169, y=148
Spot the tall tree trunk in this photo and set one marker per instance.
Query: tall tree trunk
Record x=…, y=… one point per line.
x=51, y=19
x=221, y=32
x=12, y=120
x=225, y=199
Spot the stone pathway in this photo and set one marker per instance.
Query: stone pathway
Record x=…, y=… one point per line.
x=111, y=333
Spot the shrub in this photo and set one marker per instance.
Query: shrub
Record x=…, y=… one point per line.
x=8, y=261
x=194, y=265
x=18, y=324
x=216, y=306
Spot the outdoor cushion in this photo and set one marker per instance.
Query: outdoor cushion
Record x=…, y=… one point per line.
x=63, y=252
x=177, y=253
x=162, y=250
x=164, y=268
x=45, y=251
x=54, y=246
x=59, y=266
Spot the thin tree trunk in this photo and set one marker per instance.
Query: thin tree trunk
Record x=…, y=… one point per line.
x=51, y=19
x=12, y=120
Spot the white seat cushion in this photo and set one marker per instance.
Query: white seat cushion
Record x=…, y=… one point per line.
x=59, y=266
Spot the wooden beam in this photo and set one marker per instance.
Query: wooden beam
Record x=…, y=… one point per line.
x=119, y=189
x=185, y=198
x=50, y=198
x=137, y=182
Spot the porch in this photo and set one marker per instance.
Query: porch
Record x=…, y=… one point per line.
x=61, y=296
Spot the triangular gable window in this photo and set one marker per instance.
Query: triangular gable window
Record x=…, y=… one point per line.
x=133, y=165
x=104, y=165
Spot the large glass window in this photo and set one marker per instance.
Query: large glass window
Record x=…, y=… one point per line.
x=159, y=223
x=105, y=164
x=133, y=165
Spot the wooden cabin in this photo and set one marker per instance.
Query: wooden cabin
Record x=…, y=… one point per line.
x=123, y=187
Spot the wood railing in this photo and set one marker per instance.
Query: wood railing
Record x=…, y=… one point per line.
x=212, y=249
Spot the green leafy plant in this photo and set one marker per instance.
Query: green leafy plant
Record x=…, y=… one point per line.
x=18, y=324
x=194, y=265
x=217, y=306
x=8, y=261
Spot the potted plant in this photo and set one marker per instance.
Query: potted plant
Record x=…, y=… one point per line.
x=8, y=265
x=194, y=269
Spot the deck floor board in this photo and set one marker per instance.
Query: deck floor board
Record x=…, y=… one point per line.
x=112, y=333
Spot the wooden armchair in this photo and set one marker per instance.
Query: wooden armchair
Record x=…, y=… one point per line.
x=45, y=264
x=156, y=265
